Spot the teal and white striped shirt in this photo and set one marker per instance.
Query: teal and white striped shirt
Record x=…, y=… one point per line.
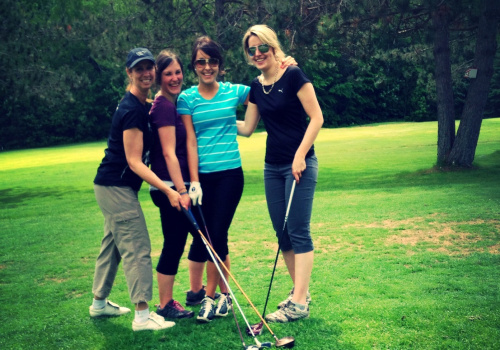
x=214, y=123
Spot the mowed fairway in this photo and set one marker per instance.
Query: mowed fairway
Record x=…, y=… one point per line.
x=407, y=256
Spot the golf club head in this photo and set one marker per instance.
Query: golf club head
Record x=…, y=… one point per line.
x=286, y=342
x=256, y=329
x=266, y=345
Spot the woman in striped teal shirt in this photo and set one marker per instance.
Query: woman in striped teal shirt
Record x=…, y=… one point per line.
x=209, y=115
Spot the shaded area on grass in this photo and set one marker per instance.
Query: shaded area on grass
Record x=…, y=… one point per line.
x=13, y=197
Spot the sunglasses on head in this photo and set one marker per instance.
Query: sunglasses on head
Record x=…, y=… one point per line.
x=263, y=48
x=202, y=62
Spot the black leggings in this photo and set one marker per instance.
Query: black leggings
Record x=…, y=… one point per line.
x=175, y=227
x=222, y=192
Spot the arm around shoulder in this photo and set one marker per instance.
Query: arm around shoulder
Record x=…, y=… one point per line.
x=247, y=127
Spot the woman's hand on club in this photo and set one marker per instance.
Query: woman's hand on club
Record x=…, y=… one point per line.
x=298, y=167
x=174, y=198
x=185, y=201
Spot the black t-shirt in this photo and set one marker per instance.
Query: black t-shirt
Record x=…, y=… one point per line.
x=283, y=115
x=114, y=169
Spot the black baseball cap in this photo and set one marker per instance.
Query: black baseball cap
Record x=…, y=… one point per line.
x=137, y=55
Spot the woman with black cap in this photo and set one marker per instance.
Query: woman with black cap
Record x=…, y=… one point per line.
x=116, y=185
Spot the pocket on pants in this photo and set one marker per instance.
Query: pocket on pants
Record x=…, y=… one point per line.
x=125, y=216
x=127, y=224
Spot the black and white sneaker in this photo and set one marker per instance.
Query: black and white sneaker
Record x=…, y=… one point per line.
x=223, y=306
x=195, y=298
x=207, y=310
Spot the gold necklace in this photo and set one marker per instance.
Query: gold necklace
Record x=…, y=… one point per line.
x=272, y=86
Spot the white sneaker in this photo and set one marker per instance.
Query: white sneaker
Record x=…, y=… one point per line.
x=111, y=309
x=155, y=322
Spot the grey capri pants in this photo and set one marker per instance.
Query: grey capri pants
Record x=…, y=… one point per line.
x=278, y=181
x=126, y=239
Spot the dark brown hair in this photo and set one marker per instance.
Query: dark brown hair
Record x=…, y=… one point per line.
x=211, y=48
x=163, y=60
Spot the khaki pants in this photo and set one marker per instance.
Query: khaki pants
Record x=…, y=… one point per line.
x=125, y=237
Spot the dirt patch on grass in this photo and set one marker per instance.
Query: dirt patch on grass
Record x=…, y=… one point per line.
x=494, y=249
x=446, y=237
x=453, y=238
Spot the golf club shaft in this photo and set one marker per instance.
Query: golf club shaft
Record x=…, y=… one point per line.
x=193, y=222
x=237, y=284
x=292, y=191
x=212, y=252
x=210, y=240
x=217, y=265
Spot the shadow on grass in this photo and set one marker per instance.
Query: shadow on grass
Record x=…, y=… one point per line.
x=315, y=333
x=14, y=197
x=116, y=336
x=485, y=173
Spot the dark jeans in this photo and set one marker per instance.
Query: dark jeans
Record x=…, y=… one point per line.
x=175, y=227
x=278, y=180
x=222, y=192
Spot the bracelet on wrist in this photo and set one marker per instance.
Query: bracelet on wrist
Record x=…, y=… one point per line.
x=183, y=189
x=183, y=193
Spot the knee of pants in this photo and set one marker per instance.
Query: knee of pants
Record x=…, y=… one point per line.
x=300, y=239
x=168, y=263
x=221, y=249
x=198, y=253
x=284, y=241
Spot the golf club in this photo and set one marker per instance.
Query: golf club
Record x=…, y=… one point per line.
x=287, y=342
x=257, y=328
x=208, y=246
x=262, y=345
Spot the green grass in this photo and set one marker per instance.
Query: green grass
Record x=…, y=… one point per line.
x=407, y=256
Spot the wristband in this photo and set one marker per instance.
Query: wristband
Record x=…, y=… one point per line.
x=182, y=193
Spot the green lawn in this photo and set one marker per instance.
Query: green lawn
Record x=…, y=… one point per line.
x=407, y=257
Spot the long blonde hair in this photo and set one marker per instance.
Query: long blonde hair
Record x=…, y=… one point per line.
x=267, y=35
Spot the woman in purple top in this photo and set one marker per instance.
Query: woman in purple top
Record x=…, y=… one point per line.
x=169, y=162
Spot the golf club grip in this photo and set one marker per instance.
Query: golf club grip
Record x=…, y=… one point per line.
x=190, y=217
x=292, y=191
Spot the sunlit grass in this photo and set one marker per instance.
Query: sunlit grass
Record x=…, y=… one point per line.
x=406, y=256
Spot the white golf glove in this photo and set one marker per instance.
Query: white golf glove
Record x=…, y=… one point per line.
x=195, y=192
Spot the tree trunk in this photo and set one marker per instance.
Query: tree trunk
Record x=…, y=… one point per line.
x=219, y=19
x=444, y=85
x=464, y=148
